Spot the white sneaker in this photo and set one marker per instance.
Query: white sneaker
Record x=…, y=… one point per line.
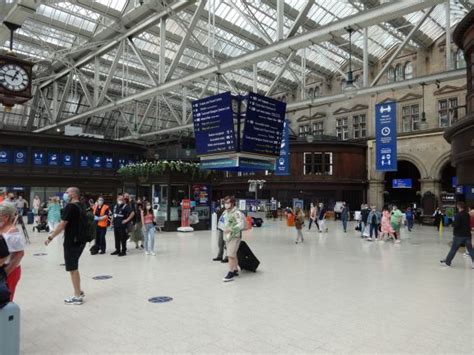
x=466, y=254
x=147, y=253
x=369, y=239
x=397, y=241
x=153, y=253
x=74, y=300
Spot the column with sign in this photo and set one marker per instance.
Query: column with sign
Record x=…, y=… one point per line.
x=386, y=136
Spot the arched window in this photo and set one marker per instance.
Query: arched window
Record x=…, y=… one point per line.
x=317, y=91
x=391, y=75
x=399, y=72
x=408, y=70
x=459, y=61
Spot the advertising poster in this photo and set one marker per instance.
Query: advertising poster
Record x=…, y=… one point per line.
x=386, y=136
x=200, y=194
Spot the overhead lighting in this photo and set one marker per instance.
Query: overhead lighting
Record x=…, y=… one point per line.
x=423, y=122
x=349, y=89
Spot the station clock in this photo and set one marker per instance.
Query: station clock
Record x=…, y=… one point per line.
x=15, y=80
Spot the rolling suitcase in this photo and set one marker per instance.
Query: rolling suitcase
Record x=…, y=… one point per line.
x=31, y=217
x=247, y=260
x=10, y=329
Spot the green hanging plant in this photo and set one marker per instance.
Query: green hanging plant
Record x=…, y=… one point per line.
x=159, y=167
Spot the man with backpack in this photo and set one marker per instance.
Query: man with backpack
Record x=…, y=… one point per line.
x=77, y=232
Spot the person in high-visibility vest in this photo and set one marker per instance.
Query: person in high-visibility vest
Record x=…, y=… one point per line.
x=101, y=216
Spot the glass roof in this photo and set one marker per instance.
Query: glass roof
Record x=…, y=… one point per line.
x=60, y=29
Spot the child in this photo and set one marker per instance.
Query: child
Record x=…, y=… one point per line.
x=386, y=227
x=299, y=220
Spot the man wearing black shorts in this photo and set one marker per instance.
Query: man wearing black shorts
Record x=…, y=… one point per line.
x=73, y=247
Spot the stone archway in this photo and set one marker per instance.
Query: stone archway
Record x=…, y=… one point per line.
x=440, y=163
x=418, y=163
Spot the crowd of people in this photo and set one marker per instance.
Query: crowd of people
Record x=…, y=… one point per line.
x=77, y=219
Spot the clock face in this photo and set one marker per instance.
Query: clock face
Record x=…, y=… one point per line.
x=13, y=77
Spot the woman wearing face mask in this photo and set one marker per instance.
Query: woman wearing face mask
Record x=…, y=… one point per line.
x=101, y=216
x=148, y=218
x=137, y=233
x=232, y=223
x=16, y=246
x=54, y=213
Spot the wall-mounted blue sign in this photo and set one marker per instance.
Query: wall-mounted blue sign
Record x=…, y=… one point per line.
x=20, y=156
x=263, y=130
x=454, y=181
x=84, y=160
x=5, y=155
x=97, y=161
x=38, y=157
x=460, y=189
x=108, y=162
x=121, y=162
x=68, y=159
x=214, y=124
x=402, y=183
x=469, y=192
x=53, y=159
x=386, y=136
x=282, y=165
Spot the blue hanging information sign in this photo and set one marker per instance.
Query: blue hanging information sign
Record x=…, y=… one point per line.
x=4, y=156
x=20, y=156
x=38, y=157
x=282, y=165
x=53, y=158
x=386, y=136
x=68, y=159
x=214, y=124
x=263, y=130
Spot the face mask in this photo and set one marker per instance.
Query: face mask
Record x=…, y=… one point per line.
x=66, y=197
x=101, y=202
x=227, y=206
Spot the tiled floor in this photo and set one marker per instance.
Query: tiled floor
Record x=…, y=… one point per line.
x=333, y=294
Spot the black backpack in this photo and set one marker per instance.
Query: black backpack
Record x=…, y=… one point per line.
x=87, y=227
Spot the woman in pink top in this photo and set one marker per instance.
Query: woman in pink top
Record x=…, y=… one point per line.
x=148, y=220
x=386, y=227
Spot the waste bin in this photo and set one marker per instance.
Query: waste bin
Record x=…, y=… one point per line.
x=10, y=329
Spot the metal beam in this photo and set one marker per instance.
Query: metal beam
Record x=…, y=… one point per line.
x=110, y=76
x=185, y=40
x=285, y=47
x=302, y=16
x=373, y=90
x=449, y=58
x=162, y=50
x=280, y=19
x=138, y=28
x=64, y=95
x=365, y=64
x=304, y=104
x=85, y=90
x=145, y=115
x=47, y=106
x=143, y=62
x=401, y=46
